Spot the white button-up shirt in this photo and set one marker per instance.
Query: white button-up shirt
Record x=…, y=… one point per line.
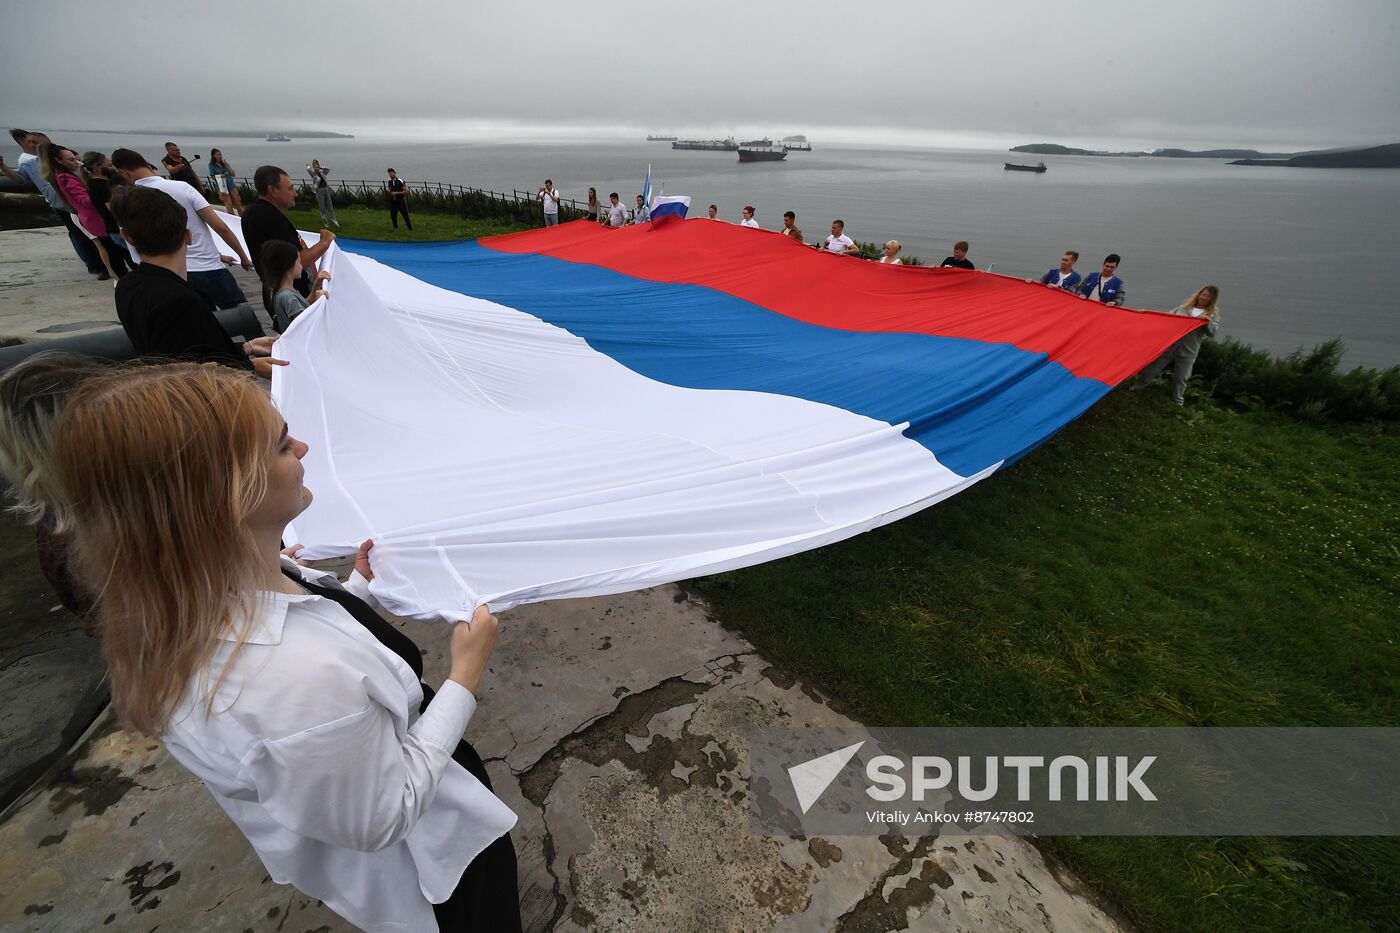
x=314, y=747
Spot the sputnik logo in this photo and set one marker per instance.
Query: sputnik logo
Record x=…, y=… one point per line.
x=810, y=779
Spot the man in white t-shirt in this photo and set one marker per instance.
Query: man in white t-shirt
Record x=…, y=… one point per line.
x=748, y=220
x=206, y=268
x=838, y=242
x=617, y=214
x=550, y=196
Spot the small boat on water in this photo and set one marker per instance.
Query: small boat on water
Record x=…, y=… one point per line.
x=1013, y=167
x=749, y=153
x=278, y=138
x=660, y=139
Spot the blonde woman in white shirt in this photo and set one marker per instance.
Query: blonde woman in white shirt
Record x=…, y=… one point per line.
x=300, y=709
x=891, y=256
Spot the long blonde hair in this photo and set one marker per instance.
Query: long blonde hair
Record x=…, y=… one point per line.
x=162, y=465
x=32, y=397
x=1212, y=311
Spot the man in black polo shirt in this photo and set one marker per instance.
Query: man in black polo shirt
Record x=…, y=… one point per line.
x=264, y=220
x=179, y=167
x=160, y=311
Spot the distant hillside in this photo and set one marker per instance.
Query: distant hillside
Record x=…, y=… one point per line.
x=1054, y=149
x=1220, y=154
x=1050, y=149
x=1387, y=156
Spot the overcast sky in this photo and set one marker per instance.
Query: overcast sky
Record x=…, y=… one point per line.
x=1287, y=74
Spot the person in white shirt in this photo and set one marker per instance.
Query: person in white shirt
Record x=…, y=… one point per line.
x=617, y=214
x=642, y=215
x=714, y=212
x=205, y=265
x=748, y=220
x=300, y=709
x=550, y=197
x=838, y=242
x=891, y=256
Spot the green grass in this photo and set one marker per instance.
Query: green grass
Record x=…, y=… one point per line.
x=370, y=224
x=1149, y=566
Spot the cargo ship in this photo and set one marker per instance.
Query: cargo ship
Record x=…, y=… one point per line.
x=796, y=144
x=1013, y=167
x=278, y=138
x=661, y=139
x=709, y=145
x=749, y=153
x=756, y=144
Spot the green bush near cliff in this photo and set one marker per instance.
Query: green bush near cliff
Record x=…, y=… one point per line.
x=1307, y=383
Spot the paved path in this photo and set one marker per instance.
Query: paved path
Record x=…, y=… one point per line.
x=616, y=728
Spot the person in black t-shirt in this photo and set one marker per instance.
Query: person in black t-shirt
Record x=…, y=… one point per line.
x=398, y=200
x=179, y=167
x=160, y=311
x=959, y=258
x=264, y=220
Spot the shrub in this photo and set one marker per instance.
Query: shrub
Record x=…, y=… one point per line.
x=1305, y=383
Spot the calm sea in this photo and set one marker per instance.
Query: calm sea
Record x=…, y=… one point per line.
x=1300, y=255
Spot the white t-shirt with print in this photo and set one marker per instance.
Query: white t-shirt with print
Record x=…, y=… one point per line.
x=836, y=244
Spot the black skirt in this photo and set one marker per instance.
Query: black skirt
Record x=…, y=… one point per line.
x=487, y=897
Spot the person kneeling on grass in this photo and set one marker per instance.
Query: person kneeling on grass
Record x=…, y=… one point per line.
x=1182, y=354
x=281, y=265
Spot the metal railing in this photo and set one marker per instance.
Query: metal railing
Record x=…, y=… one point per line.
x=516, y=205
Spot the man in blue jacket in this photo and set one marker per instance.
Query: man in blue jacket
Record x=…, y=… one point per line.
x=1105, y=286
x=1064, y=276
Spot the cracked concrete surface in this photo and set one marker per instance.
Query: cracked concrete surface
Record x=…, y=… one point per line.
x=616, y=728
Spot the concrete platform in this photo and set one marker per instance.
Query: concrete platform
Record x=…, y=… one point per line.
x=616, y=728
x=46, y=293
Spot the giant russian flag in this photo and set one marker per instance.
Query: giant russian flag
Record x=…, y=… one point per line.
x=578, y=410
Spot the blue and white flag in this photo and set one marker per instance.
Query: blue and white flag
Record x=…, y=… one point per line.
x=646, y=188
